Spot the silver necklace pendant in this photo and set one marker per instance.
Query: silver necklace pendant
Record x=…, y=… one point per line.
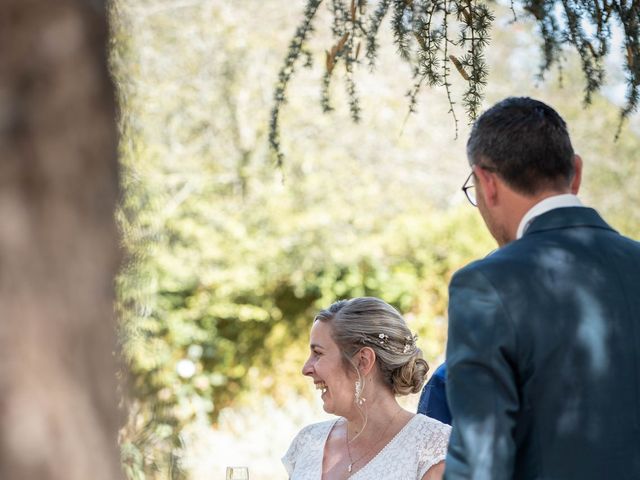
x=350, y=467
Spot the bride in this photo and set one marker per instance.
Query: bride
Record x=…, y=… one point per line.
x=362, y=355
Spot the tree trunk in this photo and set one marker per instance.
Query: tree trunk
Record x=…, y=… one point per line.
x=58, y=243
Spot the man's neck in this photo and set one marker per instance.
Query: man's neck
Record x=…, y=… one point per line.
x=520, y=206
x=548, y=203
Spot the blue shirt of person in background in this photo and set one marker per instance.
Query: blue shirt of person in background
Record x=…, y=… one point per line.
x=433, y=400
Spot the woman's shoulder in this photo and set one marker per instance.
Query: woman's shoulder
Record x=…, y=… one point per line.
x=425, y=425
x=319, y=426
x=432, y=434
x=315, y=430
x=431, y=439
x=306, y=444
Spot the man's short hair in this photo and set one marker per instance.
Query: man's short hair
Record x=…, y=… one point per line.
x=526, y=142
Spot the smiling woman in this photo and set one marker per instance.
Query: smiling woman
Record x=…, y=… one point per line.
x=362, y=354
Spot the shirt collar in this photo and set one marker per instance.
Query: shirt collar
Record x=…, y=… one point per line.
x=543, y=206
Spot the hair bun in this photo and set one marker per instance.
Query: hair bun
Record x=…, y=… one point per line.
x=410, y=377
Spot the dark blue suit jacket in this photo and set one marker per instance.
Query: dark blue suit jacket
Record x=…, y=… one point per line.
x=543, y=356
x=433, y=400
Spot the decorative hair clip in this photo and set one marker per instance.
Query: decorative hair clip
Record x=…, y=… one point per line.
x=408, y=347
x=410, y=343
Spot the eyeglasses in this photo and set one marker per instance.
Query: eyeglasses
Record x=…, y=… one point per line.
x=469, y=188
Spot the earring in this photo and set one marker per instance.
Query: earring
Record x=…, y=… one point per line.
x=359, y=398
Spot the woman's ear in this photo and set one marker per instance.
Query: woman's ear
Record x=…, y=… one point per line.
x=366, y=358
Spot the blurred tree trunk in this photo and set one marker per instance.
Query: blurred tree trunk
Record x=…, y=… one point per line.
x=58, y=243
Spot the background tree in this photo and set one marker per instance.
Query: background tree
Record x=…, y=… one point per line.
x=58, y=243
x=438, y=38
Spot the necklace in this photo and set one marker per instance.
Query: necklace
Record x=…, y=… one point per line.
x=353, y=462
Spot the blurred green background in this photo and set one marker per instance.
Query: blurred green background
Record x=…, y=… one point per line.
x=229, y=257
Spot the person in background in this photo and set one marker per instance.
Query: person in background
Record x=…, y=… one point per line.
x=433, y=400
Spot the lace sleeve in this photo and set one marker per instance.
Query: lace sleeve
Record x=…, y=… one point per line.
x=304, y=458
x=301, y=446
x=289, y=459
x=434, y=447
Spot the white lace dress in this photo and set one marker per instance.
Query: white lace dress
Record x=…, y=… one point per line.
x=420, y=444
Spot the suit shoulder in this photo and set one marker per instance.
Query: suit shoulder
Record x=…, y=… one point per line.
x=494, y=262
x=630, y=242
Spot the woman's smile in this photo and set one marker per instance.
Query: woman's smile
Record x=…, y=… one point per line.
x=324, y=390
x=322, y=387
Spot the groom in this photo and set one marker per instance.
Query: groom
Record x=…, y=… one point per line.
x=543, y=354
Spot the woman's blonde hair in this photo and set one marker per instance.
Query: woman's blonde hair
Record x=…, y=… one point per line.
x=371, y=322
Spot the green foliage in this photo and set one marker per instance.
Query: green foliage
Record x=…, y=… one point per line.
x=424, y=34
x=588, y=27
x=423, y=39
x=295, y=49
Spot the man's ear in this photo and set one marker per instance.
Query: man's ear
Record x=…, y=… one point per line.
x=365, y=360
x=577, y=177
x=487, y=184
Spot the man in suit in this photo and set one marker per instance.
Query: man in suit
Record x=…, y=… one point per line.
x=543, y=354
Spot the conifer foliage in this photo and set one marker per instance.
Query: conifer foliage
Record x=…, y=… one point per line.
x=441, y=38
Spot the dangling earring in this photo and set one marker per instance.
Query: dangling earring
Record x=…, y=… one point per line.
x=359, y=398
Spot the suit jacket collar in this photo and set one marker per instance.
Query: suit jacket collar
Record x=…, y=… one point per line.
x=546, y=205
x=566, y=218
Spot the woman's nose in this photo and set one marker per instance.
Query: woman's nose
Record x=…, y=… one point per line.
x=307, y=369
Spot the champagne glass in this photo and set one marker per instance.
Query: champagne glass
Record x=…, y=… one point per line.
x=237, y=473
